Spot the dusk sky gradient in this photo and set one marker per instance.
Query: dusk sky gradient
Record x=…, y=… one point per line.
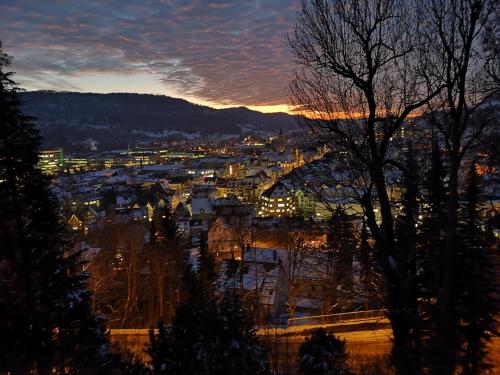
x=219, y=53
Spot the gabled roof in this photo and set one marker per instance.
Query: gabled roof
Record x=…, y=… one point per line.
x=201, y=205
x=277, y=190
x=227, y=201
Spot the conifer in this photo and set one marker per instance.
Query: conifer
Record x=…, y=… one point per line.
x=47, y=324
x=323, y=354
x=476, y=298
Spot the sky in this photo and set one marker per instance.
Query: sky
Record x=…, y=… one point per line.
x=218, y=53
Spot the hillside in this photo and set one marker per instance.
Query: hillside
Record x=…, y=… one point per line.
x=73, y=120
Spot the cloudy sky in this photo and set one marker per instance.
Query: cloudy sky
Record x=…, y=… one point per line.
x=212, y=52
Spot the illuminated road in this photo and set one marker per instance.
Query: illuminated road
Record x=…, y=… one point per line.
x=366, y=340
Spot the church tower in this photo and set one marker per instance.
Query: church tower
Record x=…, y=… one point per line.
x=281, y=142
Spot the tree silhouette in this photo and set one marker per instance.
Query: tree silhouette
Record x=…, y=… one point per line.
x=323, y=354
x=47, y=324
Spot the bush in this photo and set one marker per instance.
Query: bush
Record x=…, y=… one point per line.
x=323, y=354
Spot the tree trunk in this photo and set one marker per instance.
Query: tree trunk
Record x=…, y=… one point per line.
x=444, y=349
x=398, y=297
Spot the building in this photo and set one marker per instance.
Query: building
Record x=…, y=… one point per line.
x=76, y=164
x=223, y=240
x=264, y=282
x=244, y=189
x=182, y=217
x=277, y=201
x=281, y=142
x=51, y=161
x=233, y=170
x=201, y=209
x=232, y=228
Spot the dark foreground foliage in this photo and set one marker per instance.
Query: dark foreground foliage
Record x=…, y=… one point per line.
x=323, y=354
x=207, y=337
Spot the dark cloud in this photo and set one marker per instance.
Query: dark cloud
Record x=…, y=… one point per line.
x=228, y=52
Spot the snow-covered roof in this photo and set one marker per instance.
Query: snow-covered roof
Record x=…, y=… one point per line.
x=307, y=303
x=313, y=266
x=163, y=167
x=257, y=277
x=277, y=190
x=124, y=200
x=264, y=255
x=88, y=252
x=201, y=205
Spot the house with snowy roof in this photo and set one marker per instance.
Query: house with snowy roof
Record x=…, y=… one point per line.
x=124, y=201
x=263, y=282
x=225, y=240
x=201, y=209
x=277, y=201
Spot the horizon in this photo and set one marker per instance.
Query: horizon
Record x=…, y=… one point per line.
x=273, y=109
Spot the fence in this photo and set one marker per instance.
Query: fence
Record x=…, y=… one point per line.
x=336, y=318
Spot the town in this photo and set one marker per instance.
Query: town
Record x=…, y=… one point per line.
x=286, y=187
x=272, y=204
x=243, y=194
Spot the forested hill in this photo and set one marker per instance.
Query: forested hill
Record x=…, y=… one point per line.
x=116, y=120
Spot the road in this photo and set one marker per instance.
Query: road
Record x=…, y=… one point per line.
x=367, y=341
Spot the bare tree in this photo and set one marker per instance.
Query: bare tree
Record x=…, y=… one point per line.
x=365, y=69
x=233, y=230
x=157, y=258
x=130, y=250
x=116, y=273
x=300, y=256
x=101, y=273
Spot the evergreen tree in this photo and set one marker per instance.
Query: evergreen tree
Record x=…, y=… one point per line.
x=323, y=354
x=160, y=349
x=241, y=352
x=429, y=257
x=205, y=338
x=206, y=267
x=369, y=278
x=47, y=324
x=190, y=345
x=476, y=298
x=167, y=226
x=404, y=263
x=342, y=242
x=167, y=259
